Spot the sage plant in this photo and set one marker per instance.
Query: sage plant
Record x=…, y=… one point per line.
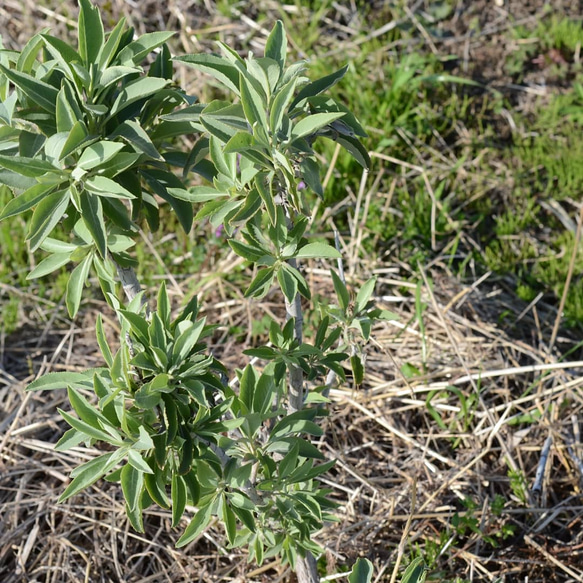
x=90, y=140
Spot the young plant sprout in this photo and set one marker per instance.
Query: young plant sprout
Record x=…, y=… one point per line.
x=90, y=140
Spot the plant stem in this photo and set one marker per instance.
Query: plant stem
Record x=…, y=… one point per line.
x=306, y=569
x=129, y=281
x=296, y=376
x=131, y=287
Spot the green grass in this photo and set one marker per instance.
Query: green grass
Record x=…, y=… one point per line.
x=14, y=256
x=553, y=32
x=13, y=266
x=522, y=237
x=412, y=114
x=551, y=43
x=413, y=111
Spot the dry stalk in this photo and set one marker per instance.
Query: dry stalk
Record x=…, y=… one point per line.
x=540, y=470
x=401, y=548
x=567, y=281
x=552, y=559
x=504, y=446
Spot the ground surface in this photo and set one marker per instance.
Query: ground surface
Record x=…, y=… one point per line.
x=468, y=217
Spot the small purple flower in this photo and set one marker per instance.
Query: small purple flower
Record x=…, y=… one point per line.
x=301, y=185
x=219, y=231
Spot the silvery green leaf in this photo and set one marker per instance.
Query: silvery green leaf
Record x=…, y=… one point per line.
x=78, y=134
x=67, y=109
x=37, y=91
x=26, y=59
x=318, y=251
x=178, y=493
x=280, y=105
x=92, y=215
x=197, y=194
x=90, y=32
x=287, y=283
x=214, y=65
x=7, y=108
x=364, y=294
x=71, y=438
x=103, y=186
x=60, y=380
x=109, y=48
x=89, y=472
x=319, y=86
x=312, y=123
x=137, y=461
x=25, y=201
x=54, y=145
x=102, y=341
x=98, y=153
x=355, y=149
x=341, y=291
x=75, y=285
x=62, y=52
x=49, y=264
x=89, y=430
x=133, y=133
x=136, y=90
x=253, y=105
x=132, y=483
x=261, y=284
x=139, y=49
x=196, y=526
x=276, y=46
x=362, y=572
x=415, y=572
x=114, y=74
x=47, y=214
x=348, y=125
x=31, y=167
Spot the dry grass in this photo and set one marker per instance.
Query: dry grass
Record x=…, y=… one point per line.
x=387, y=444
x=403, y=473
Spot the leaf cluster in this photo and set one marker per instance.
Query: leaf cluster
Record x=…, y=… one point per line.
x=82, y=137
x=356, y=313
x=271, y=130
x=178, y=436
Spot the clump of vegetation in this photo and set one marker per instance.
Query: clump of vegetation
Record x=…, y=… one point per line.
x=88, y=141
x=468, y=217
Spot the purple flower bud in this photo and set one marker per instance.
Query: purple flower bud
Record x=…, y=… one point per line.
x=219, y=231
x=301, y=185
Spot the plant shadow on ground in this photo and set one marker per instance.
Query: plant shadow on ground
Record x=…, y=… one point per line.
x=470, y=181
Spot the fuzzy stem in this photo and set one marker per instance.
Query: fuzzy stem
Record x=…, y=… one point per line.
x=129, y=281
x=131, y=287
x=296, y=376
x=306, y=569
